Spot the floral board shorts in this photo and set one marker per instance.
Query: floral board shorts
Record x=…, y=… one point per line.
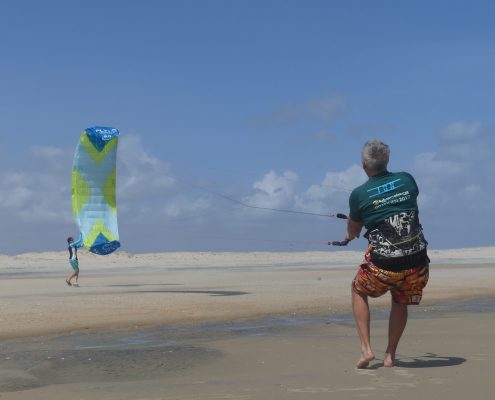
x=406, y=287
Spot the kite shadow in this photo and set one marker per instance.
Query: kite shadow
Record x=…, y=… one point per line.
x=146, y=284
x=207, y=292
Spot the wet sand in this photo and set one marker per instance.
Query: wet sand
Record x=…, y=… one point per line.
x=214, y=326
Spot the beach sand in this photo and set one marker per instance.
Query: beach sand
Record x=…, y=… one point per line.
x=236, y=326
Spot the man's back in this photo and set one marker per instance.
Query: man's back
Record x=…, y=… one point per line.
x=387, y=206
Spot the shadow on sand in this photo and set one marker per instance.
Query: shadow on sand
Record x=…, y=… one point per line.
x=429, y=360
x=208, y=292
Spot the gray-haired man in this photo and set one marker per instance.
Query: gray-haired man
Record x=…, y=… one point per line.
x=396, y=259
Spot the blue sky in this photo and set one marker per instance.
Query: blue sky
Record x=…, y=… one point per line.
x=268, y=102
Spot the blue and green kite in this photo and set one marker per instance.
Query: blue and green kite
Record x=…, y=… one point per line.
x=94, y=203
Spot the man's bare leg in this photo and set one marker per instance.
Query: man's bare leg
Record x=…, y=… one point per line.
x=362, y=316
x=72, y=276
x=396, y=325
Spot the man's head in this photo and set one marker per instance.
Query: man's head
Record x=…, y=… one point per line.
x=70, y=239
x=375, y=157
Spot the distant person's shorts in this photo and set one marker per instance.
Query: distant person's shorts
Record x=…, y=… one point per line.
x=75, y=265
x=406, y=287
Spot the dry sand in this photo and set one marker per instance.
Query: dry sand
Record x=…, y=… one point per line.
x=87, y=342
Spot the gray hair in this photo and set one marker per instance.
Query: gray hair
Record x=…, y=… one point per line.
x=375, y=155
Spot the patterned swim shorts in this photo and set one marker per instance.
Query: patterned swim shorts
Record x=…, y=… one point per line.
x=74, y=264
x=405, y=286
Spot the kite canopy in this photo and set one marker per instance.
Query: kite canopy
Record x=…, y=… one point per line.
x=94, y=204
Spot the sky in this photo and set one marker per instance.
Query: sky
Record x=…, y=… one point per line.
x=264, y=102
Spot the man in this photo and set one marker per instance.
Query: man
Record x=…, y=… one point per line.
x=73, y=261
x=396, y=259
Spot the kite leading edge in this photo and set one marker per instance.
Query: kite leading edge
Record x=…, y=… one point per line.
x=94, y=204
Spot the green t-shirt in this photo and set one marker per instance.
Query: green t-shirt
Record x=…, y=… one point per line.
x=382, y=196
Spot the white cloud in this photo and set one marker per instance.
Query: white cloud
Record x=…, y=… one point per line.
x=273, y=190
x=182, y=206
x=369, y=130
x=472, y=152
x=461, y=131
x=332, y=194
x=38, y=192
x=47, y=152
x=141, y=174
x=471, y=192
x=14, y=198
x=458, y=179
x=433, y=167
x=327, y=108
x=323, y=109
x=147, y=191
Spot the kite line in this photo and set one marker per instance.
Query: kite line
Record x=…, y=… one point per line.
x=241, y=203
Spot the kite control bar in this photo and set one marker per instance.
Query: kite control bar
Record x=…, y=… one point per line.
x=343, y=242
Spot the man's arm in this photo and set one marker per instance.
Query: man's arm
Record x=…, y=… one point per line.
x=78, y=243
x=353, y=229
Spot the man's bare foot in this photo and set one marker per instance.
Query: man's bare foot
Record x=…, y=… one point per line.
x=365, y=360
x=389, y=360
